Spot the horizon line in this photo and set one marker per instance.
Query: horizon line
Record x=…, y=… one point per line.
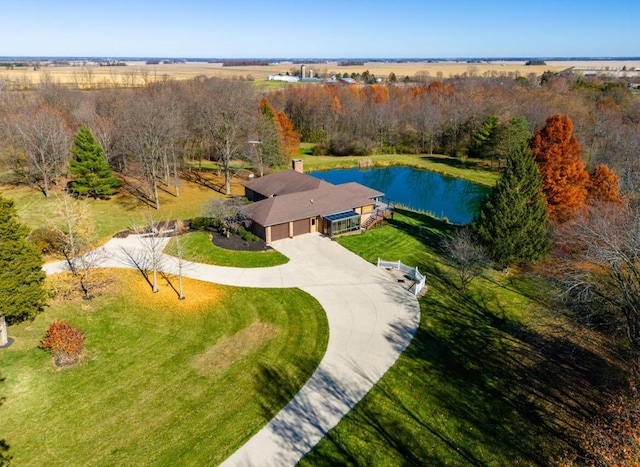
x=284, y=59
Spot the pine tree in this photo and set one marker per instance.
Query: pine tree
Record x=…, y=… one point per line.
x=564, y=178
x=270, y=148
x=22, y=293
x=485, y=138
x=93, y=174
x=513, y=221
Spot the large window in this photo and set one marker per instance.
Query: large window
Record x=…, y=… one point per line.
x=342, y=222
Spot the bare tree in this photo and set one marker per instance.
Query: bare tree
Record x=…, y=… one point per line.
x=77, y=243
x=467, y=256
x=222, y=117
x=44, y=138
x=151, y=133
x=226, y=214
x=181, y=264
x=149, y=259
x=599, y=266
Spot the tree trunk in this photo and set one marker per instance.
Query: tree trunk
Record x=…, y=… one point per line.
x=4, y=338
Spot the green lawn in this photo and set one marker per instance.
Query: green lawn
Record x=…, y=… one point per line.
x=197, y=246
x=164, y=382
x=486, y=380
x=472, y=169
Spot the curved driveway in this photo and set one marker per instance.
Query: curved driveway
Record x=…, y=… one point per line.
x=371, y=321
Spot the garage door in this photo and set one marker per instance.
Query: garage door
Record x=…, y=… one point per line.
x=280, y=231
x=301, y=227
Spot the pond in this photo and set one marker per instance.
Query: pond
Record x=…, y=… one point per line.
x=444, y=197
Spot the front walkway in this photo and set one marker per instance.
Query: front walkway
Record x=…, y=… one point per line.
x=371, y=321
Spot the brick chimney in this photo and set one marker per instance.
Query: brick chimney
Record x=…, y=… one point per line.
x=296, y=164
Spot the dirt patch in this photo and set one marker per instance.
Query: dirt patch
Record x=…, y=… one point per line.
x=230, y=349
x=237, y=243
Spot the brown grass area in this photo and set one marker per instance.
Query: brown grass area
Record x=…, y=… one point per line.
x=232, y=348
x=199, y=295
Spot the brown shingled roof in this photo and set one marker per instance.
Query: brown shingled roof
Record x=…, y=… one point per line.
x=283, y=183
x=323, y=201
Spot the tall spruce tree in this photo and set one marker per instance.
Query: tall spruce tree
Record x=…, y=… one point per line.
x=22, y=293
x=93, y=174
x=513, y=221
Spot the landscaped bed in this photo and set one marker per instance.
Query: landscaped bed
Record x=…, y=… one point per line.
x=163, y=381
x=214, y=248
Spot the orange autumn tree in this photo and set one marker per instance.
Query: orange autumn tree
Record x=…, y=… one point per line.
x=558, y=155
x=289, y=137
x=603, y=185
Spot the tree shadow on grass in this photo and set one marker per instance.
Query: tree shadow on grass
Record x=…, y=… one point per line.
x=474, y=388
x=523, y=392
x=199, y=177
x=457, y=162
x=426, y=229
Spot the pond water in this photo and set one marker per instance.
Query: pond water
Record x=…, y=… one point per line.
x=444, y=197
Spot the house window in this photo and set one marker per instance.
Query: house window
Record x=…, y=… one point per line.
x=343, y=222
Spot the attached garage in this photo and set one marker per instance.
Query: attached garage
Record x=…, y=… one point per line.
x=302, y=226
x=280, y=231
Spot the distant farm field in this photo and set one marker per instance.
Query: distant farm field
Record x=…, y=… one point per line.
x=139, y=73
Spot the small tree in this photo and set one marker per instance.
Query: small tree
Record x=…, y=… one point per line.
x=467, y=256
x=603, y=185
x=486, y=138
x=89, y=164
x=289, y=137
x=64, y=341
x=151, y=256
x=226, y=214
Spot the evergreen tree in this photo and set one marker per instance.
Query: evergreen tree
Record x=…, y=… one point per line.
x=22, y=293
x=268, y=131
x=514, y=134
x=513, y=221
x=485, y=139
x=93, y=174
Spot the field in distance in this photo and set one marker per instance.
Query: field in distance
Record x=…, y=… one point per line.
x=138, y=72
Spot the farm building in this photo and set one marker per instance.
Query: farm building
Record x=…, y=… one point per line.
x=290, y=203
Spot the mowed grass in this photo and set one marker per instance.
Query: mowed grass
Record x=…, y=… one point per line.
x=197, y=247
x=163, y=381
x=116, y=214
x=473, y=170
x=489, y=379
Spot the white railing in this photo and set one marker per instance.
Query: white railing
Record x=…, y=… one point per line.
x=418, y=279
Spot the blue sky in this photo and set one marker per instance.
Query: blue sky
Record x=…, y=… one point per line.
x=320, y=28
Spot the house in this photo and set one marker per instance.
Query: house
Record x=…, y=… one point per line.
x=290, y=203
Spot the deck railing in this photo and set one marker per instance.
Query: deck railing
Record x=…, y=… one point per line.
x=418, y=279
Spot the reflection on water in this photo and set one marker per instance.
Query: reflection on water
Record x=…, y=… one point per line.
x=457, y=200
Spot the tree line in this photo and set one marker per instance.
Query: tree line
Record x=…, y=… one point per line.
x=147, y=135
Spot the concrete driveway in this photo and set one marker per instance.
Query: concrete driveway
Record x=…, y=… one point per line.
x=371, y=321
